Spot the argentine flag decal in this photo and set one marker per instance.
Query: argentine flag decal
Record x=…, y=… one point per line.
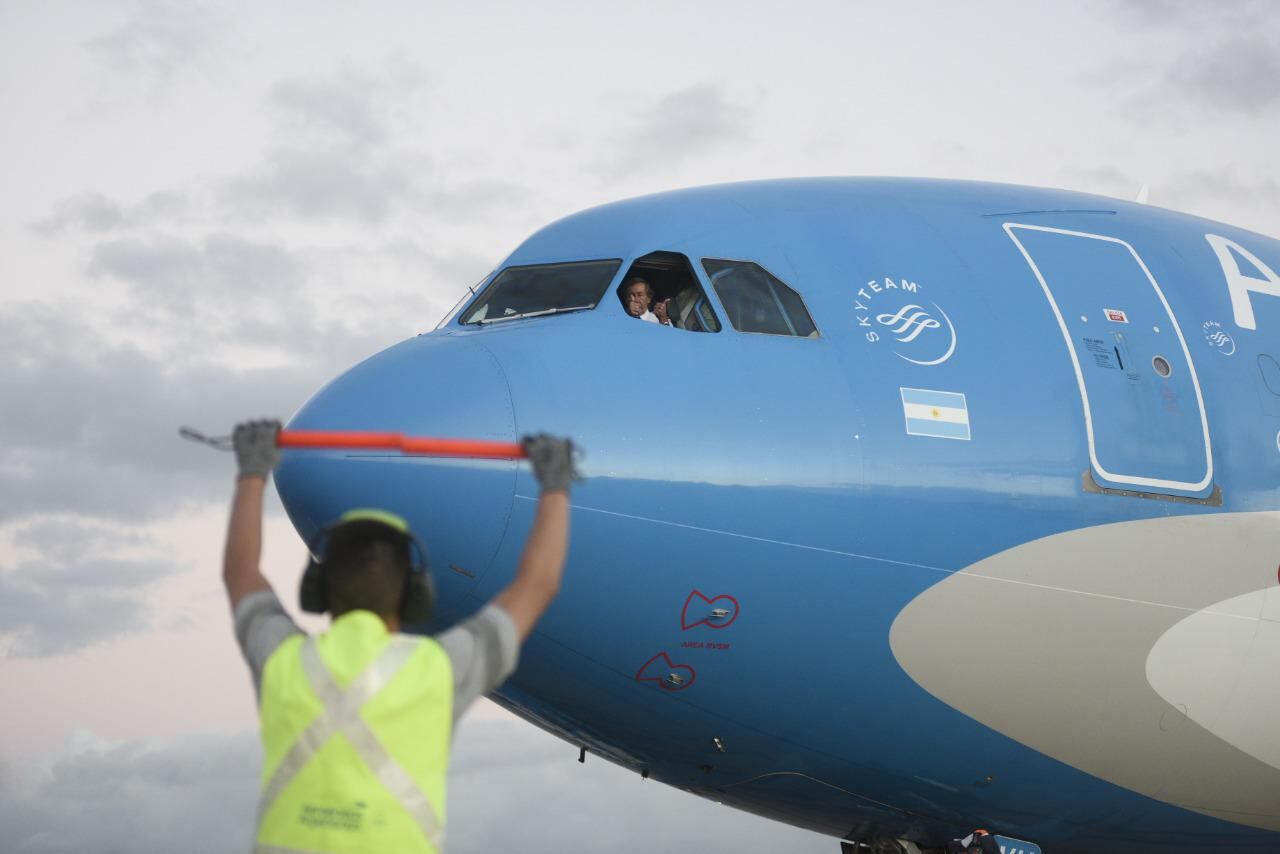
x=943, y=414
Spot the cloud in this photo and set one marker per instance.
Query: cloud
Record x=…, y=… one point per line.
x=334, y=155
x=1238, y=74
x=346, y=147
x=1221, y=194
x=95, y=432
x=1221, y=59
x=90, y=436
x=101, y=386
x=352, y=108
x=62, y=540
x=160, y=40
x=176, y=272
x=474, y=198
x=194, y=794
x=368, y=188
x=326, y=306
x=320, y=185
x=94, y=212
x=338, y=156
x=1154, y=12
x=1192, y=15
x=52, y=609
x=80, y=583
x=509, y=781
x=689, y=122
x=1103, y=180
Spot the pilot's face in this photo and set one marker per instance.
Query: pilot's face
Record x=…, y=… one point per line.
x=637, y=299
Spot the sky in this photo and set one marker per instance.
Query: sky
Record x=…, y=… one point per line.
x=208, y=210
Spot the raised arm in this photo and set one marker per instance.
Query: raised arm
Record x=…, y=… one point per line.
x=255, y=445
x=537, y=578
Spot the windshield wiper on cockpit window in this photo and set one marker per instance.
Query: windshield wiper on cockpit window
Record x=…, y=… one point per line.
x=539, y=313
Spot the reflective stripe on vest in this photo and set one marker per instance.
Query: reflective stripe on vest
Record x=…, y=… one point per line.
x=342, y=715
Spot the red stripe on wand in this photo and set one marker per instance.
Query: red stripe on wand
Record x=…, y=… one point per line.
x=422, y=445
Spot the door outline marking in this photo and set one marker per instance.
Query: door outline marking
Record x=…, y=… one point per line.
x=1151, y=482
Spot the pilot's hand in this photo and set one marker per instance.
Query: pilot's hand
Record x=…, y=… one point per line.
x=660, y=310
x=552, y=461
x=255, y=446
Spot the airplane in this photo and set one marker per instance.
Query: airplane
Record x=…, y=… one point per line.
x=939, y=505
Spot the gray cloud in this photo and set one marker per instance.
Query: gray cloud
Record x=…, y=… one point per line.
x=1104, y=180
x=63, y=540
x=1193, y=13
x=319, y=185
x=459, y=268
x=689, y=122
x=335, y=156
x=94, y=212
x=1224, y=194
x=508, y=782
x=352, y=108
x=471, y=199
x=1153, y=12
x=1238, y=74
x=44, y=622
x=159, y=40
x=92, y=428
x=1222, y=59
x=225, y=289
x=1221, y=194
x=195, y=794
x=93, y=431
x=74, y=595
x=180, y=273
x=91, y=438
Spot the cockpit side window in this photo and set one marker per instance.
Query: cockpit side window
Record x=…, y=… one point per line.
x=673, y=292
x=463, y=300
x=758, y=301
x=542, y=289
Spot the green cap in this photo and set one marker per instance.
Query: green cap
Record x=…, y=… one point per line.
x=371, y=514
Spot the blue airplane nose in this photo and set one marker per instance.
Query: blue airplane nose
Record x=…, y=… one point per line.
x=427, y=386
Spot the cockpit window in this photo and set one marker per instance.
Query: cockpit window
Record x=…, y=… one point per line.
x=670, y=295
x=758, y=301
x=462, y=300
x=542, y=289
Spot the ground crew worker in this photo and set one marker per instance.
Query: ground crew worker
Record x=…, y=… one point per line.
x=357, y=722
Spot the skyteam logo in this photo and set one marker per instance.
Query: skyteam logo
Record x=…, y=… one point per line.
x=894, y=311
x=1218, y=337
x=910, y=321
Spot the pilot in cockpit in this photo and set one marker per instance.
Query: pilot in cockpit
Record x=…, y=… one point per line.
x=637, y=296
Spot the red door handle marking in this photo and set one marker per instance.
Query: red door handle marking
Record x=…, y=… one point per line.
x=660, y=669
x=710, y=602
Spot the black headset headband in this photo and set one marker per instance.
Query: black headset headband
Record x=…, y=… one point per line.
x=418, y=597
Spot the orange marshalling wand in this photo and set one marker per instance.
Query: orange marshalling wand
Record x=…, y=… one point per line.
x=428, y=446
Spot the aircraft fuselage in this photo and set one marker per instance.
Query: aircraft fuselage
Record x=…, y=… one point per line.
x=994, y=544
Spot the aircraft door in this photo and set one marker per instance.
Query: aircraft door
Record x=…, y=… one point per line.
x=1143, y=410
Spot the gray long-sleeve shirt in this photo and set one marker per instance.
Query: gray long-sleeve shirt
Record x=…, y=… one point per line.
x=483, y=649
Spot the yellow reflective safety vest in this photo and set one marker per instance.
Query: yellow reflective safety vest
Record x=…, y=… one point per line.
x=355, y=735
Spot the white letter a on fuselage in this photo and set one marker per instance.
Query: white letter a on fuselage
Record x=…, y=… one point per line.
x=1238, y=284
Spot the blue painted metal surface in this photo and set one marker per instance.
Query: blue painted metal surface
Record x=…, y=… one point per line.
x=777, y=479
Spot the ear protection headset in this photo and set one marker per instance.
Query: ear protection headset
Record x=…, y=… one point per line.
x=419, y=594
